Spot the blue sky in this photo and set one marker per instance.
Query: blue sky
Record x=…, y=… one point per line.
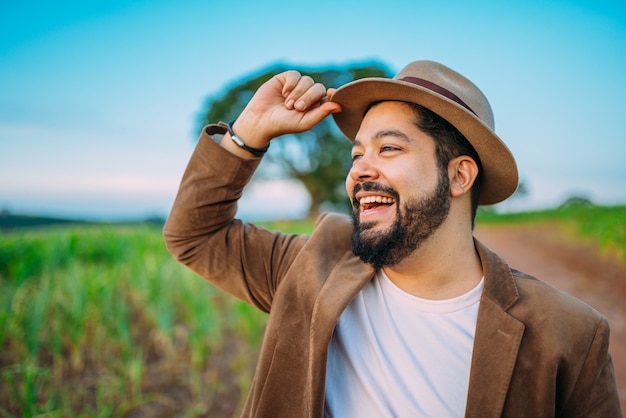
x=99, y=100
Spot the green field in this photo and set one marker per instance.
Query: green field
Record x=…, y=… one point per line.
x=100, y=321
x=604, y=225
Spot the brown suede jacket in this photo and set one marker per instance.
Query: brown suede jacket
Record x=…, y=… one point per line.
x=538, y=352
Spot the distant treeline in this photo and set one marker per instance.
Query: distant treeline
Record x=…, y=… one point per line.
x=9, y=221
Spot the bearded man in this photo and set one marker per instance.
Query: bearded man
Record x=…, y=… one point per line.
x=399, y=311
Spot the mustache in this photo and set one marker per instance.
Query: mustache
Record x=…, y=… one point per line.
x=371, y=186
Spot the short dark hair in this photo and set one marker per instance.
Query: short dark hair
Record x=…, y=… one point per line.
x=449, y=144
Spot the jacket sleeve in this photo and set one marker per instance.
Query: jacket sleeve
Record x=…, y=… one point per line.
x=201, y=230
x=595, y=393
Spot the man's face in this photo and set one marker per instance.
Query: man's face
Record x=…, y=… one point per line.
x=399, y=195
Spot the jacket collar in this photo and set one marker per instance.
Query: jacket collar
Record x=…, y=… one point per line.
x=497, y=339
x=345, y=282
x=500, y=286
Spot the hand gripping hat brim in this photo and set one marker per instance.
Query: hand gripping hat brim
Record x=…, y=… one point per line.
x=451, y=96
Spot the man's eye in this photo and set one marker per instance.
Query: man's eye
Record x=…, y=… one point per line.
x=388, y=148
x=355, y=157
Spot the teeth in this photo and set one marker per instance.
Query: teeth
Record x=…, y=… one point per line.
x=375, y=199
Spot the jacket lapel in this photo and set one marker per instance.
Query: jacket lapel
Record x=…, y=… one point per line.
x=497, y=340
x=343, y=283
x=347, y=279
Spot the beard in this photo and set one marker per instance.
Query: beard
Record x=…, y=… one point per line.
x=416, y=221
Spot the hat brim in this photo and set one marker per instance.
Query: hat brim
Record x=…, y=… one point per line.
x=500, y=178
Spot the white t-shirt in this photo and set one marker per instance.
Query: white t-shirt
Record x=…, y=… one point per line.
x=396, y=355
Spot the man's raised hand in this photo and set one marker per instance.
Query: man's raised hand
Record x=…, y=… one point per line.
x=287, y=103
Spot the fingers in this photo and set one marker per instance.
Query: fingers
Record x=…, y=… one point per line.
x=290, y=80
x=306, y=99
x=301, y=92
x=316, y=114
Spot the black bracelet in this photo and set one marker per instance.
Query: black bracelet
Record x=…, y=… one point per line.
x=257, y=152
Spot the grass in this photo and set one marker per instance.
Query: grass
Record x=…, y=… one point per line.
x=100, y=321
x=604, y=225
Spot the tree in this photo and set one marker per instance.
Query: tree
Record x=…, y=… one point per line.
x=320, y=158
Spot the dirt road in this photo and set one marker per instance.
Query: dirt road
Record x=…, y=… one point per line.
x=581, y=269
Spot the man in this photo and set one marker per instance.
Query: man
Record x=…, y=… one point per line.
x=400, y=311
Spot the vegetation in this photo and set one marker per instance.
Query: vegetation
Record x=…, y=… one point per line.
x=100, y=321
x=319, y=158
x=9, y=221
x=605, y=225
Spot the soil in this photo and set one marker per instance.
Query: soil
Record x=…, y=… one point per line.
x=577, y=267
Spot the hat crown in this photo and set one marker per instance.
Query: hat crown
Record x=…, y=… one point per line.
x=453, y=84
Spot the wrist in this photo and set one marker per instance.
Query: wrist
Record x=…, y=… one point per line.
x=241, y=143
x=248, y=127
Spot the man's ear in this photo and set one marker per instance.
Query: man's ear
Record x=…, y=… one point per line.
x=463, y=171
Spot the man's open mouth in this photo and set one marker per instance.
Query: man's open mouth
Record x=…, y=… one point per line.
x=368, y=203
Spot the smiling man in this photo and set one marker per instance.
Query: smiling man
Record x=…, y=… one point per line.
x=399, y=311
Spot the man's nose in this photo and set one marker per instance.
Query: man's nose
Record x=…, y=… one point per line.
x=363, y=169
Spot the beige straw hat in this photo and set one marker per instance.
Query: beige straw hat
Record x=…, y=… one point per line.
x=451, y=96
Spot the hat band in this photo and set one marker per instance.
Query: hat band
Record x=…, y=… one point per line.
x=437, y=89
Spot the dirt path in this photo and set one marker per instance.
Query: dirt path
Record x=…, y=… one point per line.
x=578, y=268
